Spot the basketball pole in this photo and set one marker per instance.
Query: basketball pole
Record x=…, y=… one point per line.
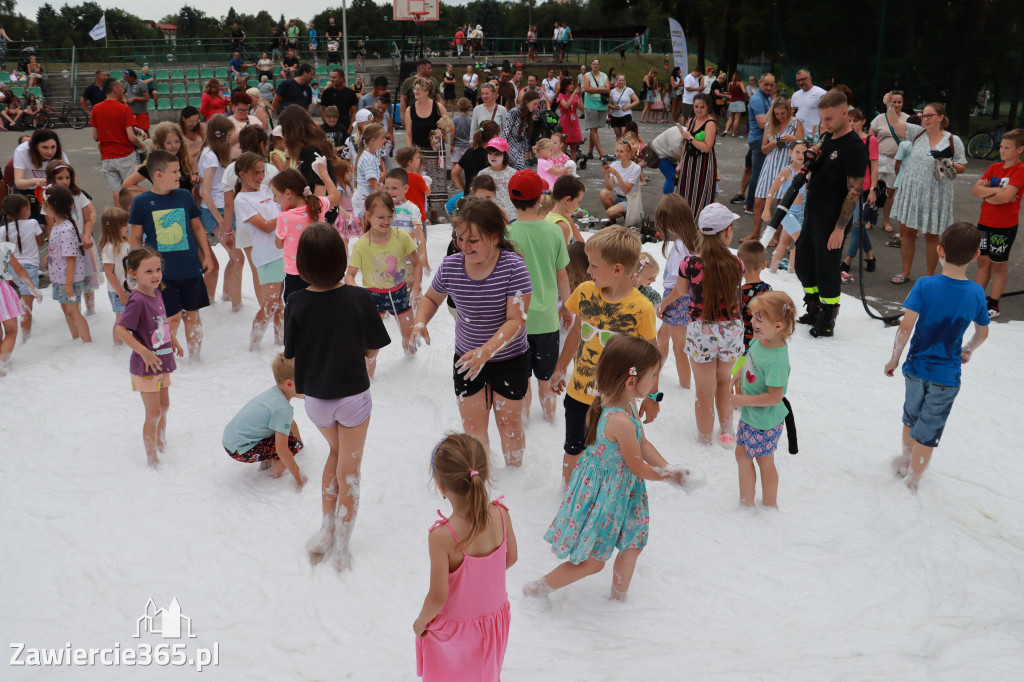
x=344, y=40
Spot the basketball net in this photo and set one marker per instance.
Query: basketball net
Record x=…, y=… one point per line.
x=417, y=18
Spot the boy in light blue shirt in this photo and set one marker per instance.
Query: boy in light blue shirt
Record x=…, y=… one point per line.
x=938, y=311
x=264, y=430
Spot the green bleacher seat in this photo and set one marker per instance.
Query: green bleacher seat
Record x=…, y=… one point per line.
x=195, y=101
x=5, y=77
x=277, y=70
x=151, y=105
x=117, y=73
x=177, y=75
x=164, y=104
x=163, y=89
x=206, y=73
x=178, y=88
x=160, y=74
x=192, y=74
x=37, y=91
x=179, y=103
x=18, y=92
x=321, y=70
x=222, y=73
x=324, y=82
x=194, y=89
x=351, y=69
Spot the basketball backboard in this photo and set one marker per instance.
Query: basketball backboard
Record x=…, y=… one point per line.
x=416, y=10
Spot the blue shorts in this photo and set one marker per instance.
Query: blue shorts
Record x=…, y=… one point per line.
x=677, y=314
x=33, y=274
x=60, y=295
x=757, y=442
x=619, y=199
x=926, y=408
x=395, y=302
x=185, y=294
x=210, y=223
x=115, y=303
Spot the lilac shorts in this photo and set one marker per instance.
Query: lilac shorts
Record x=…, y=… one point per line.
x=348, y=412
x=757, y=442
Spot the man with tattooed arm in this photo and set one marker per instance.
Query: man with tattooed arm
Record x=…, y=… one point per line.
x=833, y=190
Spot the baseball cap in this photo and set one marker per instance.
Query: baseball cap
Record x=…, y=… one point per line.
x=715, y=218
x=499, y=143
x=526, y=185
x=131, y=73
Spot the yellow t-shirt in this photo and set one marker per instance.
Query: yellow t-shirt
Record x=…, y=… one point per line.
x=634, y=315
x=383, y=267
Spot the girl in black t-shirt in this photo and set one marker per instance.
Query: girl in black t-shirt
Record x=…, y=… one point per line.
x=334, y=332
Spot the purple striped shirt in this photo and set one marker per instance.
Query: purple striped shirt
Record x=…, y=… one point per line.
x=483, y=304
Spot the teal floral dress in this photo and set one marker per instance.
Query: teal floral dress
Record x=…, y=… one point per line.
x=605, y=505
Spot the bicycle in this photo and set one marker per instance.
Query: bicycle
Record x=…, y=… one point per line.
x=985, y=145
x=72, y=116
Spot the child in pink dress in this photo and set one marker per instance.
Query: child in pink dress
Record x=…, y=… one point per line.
x=462, y=630
x=347, y=225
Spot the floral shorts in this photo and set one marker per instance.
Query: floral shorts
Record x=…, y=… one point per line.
x=757, y=442
x=677, y=314
x=707, y=341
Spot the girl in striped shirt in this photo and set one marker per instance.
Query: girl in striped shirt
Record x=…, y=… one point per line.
x=491, y=288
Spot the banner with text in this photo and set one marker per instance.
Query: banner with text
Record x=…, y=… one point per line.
x=679, y=54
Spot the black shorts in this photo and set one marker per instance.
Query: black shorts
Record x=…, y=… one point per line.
x=543, y=354
x=575, y=425
x=185, y=294
x=996, y=242
x=622, y=121
x=293, y=283
x=748, y=160
x=508, y=378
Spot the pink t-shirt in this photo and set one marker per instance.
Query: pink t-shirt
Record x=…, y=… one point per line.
x=544, y=167
x=290, y=225
x=872, y=142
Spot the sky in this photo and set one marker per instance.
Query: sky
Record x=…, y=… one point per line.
x=144, y=9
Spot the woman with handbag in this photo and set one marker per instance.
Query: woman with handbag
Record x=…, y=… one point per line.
x=424, y=118
x=925, y=200
x=698, y=166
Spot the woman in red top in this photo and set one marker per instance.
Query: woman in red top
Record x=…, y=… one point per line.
x=212, y=102
x=568, y=104
x=737, y=104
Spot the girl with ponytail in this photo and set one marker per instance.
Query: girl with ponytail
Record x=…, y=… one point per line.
x=605, y=504
x=462, y=629
x=299, y=207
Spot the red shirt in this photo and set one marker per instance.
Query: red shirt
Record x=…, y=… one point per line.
x=417, y=193
x=111, y=118
x=1002, y=215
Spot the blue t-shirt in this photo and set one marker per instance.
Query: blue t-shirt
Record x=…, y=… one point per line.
x=759, y=105
x=236, y=65
x=263, y=416
x=166, y=226
x=946, y=307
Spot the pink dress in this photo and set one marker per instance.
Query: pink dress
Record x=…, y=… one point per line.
x=348, y=226
x=467, y=640
x=569, y=119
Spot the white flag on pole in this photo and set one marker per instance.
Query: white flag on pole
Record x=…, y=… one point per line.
x=99, y=31
x=679, y=53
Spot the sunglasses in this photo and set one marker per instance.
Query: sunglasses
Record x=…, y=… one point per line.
x=588, y=331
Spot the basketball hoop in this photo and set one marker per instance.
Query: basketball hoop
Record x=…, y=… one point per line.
x=417, y=18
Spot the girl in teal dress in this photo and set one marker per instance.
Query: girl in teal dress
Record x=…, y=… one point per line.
x=605, y=504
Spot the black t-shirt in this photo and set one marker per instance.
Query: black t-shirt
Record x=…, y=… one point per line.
x=293, y=92
x=344, y=99
x=328, y=334
x=306, y=158
x=840, y=158
x=472, y=162
x=290, y=61
x=94, y=94
x=236, y=38
x=337, y=134
x=332, y=33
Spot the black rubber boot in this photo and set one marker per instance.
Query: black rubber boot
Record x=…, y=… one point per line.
x=826, y=322
x=813, y=305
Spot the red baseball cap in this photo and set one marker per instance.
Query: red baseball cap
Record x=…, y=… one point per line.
x=526, y=185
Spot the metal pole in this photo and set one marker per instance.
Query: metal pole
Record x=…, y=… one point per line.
x=344, y=39
x=878, y=53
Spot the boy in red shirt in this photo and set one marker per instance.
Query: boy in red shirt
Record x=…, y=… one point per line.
x=1000, y=192
x=409, y=159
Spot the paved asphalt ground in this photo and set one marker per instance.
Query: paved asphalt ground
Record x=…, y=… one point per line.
x=880, y=293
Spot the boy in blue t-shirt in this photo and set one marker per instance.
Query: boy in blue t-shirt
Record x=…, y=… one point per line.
x=941, y=307
x=167, y=219
x=264, y=430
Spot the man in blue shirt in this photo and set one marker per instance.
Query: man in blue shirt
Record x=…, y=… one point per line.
x=236, y=66
x=757, y=114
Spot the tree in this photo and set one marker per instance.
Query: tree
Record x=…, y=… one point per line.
x=44, y=18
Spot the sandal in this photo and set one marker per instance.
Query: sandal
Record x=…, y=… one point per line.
x=898, y=279
x=773, y=243
x=894, y=242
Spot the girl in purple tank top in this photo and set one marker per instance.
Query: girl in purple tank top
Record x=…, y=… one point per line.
x=462, y=630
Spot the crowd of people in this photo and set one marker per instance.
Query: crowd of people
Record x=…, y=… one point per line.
x=310, y=207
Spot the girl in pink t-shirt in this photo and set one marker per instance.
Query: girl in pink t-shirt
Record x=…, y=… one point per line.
x=462, y=629
x=866, y=212
x=299, y=208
